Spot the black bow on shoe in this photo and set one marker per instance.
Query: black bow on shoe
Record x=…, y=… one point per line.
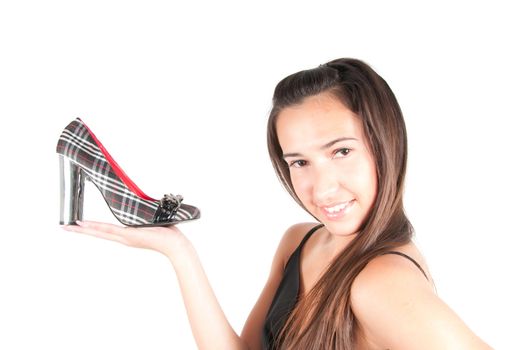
x=168, y=206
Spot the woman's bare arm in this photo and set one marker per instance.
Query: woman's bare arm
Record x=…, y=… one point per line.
x=210, y=327
x=397, y=308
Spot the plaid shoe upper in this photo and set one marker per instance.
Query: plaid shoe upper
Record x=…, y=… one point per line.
x=130, y=207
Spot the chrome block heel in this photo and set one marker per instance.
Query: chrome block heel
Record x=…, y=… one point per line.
x=71, y=191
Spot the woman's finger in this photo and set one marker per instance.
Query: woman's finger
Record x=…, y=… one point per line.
x=100, y=230
x=160, y=239
x=104, y=227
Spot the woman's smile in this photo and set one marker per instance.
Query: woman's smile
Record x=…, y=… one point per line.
x=337, y=211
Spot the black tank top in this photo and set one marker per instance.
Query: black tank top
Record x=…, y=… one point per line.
x=286, y=295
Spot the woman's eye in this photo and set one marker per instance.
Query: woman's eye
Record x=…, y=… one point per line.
x=343, y=151
x=297, y=163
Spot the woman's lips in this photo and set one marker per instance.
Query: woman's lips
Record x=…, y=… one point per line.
x=337, y=211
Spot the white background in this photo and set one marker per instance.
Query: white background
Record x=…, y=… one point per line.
x=179, y=94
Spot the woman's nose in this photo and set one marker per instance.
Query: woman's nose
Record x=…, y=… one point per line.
x=325, y=186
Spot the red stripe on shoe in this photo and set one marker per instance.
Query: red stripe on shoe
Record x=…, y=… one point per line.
x=117, y=169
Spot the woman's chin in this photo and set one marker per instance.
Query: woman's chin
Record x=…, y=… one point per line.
x=341, y=228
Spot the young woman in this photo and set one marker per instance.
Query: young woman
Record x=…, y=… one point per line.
x=353, y=280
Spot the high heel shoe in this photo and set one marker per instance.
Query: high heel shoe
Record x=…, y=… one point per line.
x=82, y=157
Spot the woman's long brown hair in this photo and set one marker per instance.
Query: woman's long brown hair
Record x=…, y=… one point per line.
x=323, y=318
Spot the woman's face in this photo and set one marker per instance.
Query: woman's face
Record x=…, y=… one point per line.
x=332, y=170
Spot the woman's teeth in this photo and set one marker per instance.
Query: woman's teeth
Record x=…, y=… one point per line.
x=336, y=208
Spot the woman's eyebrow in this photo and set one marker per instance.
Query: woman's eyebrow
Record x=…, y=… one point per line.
x=327, y=145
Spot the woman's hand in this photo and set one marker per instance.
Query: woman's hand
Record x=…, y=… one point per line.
x=166, y=240
x=210, y=327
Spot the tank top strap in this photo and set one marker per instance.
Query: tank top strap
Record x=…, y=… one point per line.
x=409, y=258
x=306, y=237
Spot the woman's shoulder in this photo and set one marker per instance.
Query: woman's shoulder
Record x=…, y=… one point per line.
x=391, y=290
x=389, y=281
x=397, y=307
x=395, y=270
